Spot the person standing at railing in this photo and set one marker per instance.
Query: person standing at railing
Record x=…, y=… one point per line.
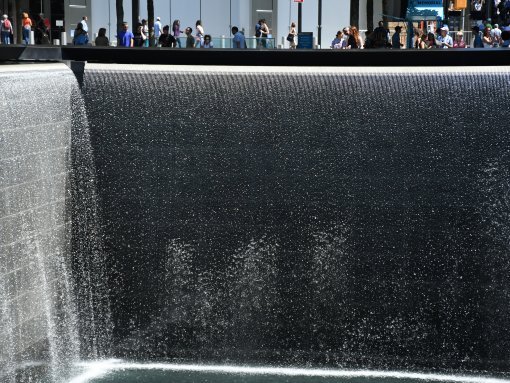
x=207, y=43
x=337, y=42
x=190, y=40
x=496, y=36
x=431, y=41
x=166, y=40
x=125, y=37
x=477, y=37
x=505, y=38
x=83, y=22
x=444, y=40
x=292, y=36
x=459, y=40
x=145, y=30
x=139, y=37
x=101, y=39
x=157, y=29
x=264, y=30
x=258, y=33
x=238, y=41
x=395, y=39
x=354, y=40
x=381, y=36
x=81, y=37
x=176, y=30
x=199, y=34
x=6, y=30
x=487, y=38
x=26, y=23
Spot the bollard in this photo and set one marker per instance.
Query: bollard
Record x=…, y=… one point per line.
x=63, y=38
x=56, y=41
x=32, y=38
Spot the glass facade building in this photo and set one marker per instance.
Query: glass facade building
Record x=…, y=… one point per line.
x=218, y=16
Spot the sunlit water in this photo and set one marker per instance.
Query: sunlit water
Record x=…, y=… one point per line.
x=231, y=298
x=118, y=371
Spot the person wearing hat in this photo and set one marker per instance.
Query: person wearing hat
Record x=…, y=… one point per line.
x=444, y=40
x=459, y=40
x=395, y=39
x=157, y=28
x=496, y=36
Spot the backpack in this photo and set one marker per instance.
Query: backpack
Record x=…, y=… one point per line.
x=7, y=25
x=258, y=32
x=81, y=39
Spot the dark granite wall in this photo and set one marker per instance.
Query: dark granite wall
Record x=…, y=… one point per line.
x=293, y=215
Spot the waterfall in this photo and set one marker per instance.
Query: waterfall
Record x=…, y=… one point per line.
x=300, y=215
x=43, y=319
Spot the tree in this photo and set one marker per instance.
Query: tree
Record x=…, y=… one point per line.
x=370, y=15
x=135, y=7
x=354, y=16
x=119, y=4
x=150, y=20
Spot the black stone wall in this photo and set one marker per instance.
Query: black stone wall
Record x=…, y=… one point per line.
x=318, y=215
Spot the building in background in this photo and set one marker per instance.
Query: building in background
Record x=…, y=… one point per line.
x=217, y=15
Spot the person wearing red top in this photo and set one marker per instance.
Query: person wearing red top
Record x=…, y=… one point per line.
x=26, y=24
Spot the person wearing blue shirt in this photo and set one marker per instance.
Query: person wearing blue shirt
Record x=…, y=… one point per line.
x=238, y=39
x=337, y=41
x=80, y=36
x=125, y=37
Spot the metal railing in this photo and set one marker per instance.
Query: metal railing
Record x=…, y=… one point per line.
x=224, y=42
x=467, y=36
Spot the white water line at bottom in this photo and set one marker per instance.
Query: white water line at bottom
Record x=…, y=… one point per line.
x=97, y=369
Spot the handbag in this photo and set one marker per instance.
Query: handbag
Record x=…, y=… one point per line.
x=290, y=37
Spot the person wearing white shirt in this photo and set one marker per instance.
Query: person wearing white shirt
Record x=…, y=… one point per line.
x=84, y=24
x=444, y=41
x=157, y=28
x=496, y=36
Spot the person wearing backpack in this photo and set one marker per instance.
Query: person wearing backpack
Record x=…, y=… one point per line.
x=258, y=32
x=6, y=30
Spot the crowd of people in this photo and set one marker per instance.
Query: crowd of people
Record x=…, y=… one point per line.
x=40, y=26
x=484, y=35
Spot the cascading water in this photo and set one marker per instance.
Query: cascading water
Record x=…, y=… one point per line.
x=321, y=216
x=43, y=319
x=253, y=218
